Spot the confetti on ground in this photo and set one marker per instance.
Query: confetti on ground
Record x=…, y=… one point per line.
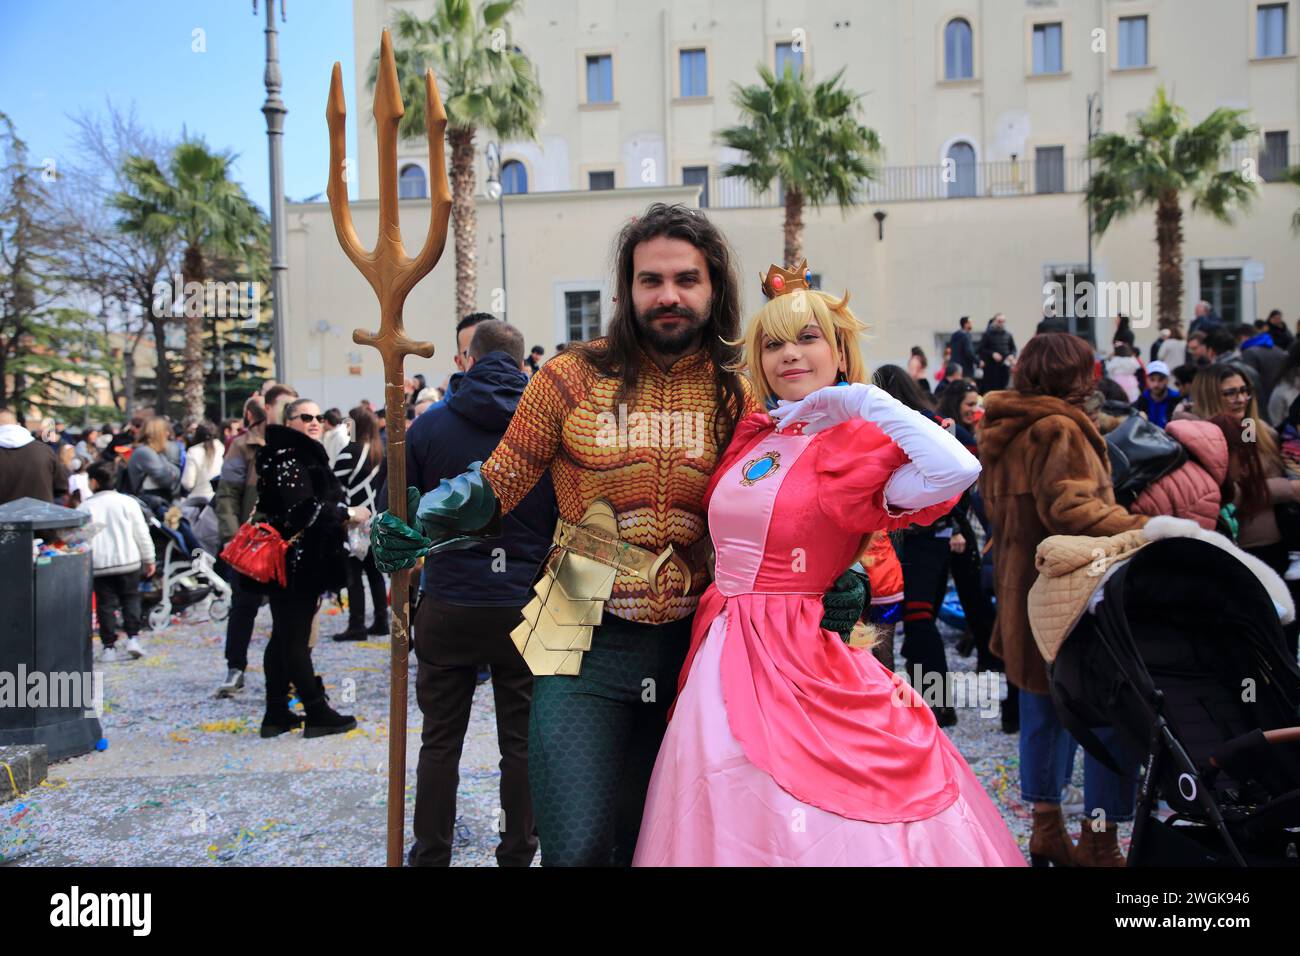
x=188, y=781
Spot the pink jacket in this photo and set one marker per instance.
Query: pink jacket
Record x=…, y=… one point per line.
x=1191, y=491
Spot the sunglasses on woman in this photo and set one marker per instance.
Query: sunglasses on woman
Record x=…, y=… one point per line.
x=307, y=419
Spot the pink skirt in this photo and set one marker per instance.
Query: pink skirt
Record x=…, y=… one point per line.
x=709, y=806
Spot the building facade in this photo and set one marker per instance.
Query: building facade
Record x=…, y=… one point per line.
x=983, y=110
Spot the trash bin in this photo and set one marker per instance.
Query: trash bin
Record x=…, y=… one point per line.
x=48, y=688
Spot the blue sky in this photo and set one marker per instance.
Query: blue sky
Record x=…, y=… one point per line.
x=59, y=57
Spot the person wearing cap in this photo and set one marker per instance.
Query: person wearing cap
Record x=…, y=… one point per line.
x=1158, y=401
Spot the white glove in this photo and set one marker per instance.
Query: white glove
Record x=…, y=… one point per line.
x=940, y=468
x=826, y=407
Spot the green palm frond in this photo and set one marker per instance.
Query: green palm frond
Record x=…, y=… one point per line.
x=1166, y=156
x=807, y=136
x=485, y=83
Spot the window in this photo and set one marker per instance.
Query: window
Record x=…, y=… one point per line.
x=1049, y=171
x=788, y=56
x=1270, y=30
x=958, y=61
x=582, y=315
x=1132, y=42
x=411, y=183
x=1047, y=48
x=698, y=176
x=600, y=79
x=1273, y=160
x=962, y=164
x=604, y=179
x=1222, y=289
x=694, y=73
x=514, y=178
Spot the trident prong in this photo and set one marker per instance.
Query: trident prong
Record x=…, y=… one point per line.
x=392, y=274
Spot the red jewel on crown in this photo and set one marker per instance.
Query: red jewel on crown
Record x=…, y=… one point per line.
x=779, y=281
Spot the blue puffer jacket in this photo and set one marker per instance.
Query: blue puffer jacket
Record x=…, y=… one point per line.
x=441, y=444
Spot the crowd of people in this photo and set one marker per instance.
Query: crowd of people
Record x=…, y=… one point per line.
x=577, y=573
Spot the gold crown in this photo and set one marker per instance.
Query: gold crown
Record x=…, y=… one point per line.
x=780, y=281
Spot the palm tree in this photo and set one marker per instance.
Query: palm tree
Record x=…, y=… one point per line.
x=486, y=83
x=806, y=136
x=195, y=202
x=1164, y=160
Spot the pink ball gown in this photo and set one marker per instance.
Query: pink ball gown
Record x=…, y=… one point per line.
x=786, y=747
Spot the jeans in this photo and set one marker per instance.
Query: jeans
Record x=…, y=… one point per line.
x=1047, y=762
x=116, y=593
x=450, y=642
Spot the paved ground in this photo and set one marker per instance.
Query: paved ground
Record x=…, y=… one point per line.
x=186, y=780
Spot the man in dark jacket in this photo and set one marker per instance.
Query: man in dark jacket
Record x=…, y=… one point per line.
x=996, y=349
x=28, y=468
x=1260, y=351
x=963, y=353
x=470, y=601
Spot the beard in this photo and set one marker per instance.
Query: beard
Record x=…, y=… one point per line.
x=671, y=341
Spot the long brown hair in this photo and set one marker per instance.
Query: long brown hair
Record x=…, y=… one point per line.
x=1208, y=403
x=365, y=431
x=1245, y=467
x=621, y=353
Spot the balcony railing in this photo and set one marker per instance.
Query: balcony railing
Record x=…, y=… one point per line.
x=1022, y=177
x=937, y=181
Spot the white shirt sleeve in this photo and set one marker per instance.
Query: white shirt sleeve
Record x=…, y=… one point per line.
x=940, y=468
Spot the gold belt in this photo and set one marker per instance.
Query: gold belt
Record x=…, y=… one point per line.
x=630, y=558
x=578, y=578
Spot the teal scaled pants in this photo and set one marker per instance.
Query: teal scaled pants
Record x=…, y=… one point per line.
x=593, y=739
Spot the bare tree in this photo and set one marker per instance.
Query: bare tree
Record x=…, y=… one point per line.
x=120, y=270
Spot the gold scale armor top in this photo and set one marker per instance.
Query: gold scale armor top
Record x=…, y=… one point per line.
x=631, y=476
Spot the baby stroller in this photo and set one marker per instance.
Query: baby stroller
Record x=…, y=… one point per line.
x=1186, y=659
x=185, y=577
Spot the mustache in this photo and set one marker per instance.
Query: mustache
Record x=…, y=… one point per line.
x=680, y=311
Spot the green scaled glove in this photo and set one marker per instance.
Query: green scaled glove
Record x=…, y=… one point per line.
x=460, y=506
x=843, y=604
x=394, y=543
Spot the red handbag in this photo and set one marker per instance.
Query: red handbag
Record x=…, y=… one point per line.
x=258, y=551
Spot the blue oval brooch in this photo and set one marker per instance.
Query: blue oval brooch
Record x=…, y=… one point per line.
x=759, y=468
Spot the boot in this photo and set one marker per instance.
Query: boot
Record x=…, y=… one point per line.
x=1049, y=843
x=1099, y=849
x=277, y=722
x=322, y=719
x=355, y=632
x=380, y=627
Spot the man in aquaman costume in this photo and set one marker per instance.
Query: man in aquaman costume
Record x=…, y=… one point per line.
x=630, y=427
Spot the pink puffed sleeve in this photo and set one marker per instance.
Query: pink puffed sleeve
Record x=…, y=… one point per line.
x=854, y=462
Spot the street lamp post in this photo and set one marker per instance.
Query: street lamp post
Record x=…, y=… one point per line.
x=274, y=110
x=496, y=190
x=1094, y=125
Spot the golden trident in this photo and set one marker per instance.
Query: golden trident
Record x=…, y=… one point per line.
x=392, y=274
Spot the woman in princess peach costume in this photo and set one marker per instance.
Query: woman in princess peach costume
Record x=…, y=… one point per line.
x=786, y=747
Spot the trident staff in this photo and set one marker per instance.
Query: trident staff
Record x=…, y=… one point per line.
x=392, y=274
